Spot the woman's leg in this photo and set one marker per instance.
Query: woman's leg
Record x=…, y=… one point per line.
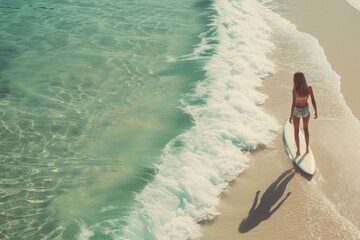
x=306, y=131
x=296, y=122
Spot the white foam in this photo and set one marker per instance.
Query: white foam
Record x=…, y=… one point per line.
x=85, y=232
x=198, y=164
x=325, y=204
x=355, y=3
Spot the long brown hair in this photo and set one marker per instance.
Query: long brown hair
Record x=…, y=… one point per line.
x=300, y=86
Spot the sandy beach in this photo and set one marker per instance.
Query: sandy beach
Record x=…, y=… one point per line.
x=272, y=199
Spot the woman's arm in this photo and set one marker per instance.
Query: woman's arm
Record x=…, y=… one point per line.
x=313, y=102
x=292, y=106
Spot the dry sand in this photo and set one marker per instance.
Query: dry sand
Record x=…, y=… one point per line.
x=291, y=205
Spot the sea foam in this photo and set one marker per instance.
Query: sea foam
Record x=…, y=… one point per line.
x=355, y=3
x=228, y=123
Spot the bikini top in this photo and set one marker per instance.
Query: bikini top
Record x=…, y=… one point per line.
x=300, y=99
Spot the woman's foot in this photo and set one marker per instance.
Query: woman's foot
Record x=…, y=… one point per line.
x=307, y=150
x=297, y=153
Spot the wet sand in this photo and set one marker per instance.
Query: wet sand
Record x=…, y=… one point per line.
x=272, y=199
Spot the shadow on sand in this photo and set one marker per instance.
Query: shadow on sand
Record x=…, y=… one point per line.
x=262, y=211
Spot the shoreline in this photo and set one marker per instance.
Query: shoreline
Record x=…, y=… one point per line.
x=305, y=208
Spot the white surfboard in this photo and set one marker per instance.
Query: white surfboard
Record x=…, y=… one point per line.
x=306, y=162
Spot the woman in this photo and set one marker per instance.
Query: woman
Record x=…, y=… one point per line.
x=300, y=108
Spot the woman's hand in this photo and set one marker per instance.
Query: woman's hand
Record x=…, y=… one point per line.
x=290, y=120
x=315, y=115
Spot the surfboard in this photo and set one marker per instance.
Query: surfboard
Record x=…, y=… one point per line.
x=306, y=162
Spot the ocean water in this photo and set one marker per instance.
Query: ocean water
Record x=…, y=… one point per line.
x=89, y=99
x=127, y=119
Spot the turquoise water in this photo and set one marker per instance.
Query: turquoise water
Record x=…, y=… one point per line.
x=127, y=119
x=88, y=102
